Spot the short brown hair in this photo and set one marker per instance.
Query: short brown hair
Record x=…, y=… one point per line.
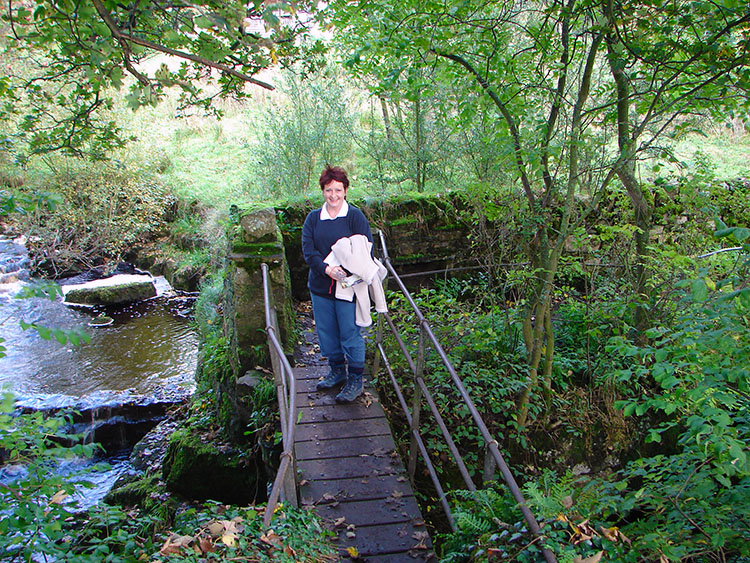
x=333, y=173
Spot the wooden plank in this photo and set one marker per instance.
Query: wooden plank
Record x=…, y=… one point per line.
x=387, y=539
x=414, y=555
x=390, y=510
x=348, y=467
x=322, y=491
x=319, y=449
x=308, y=383
x=341, y=429
x=333, y=413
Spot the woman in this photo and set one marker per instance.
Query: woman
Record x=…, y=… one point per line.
x=338, y=334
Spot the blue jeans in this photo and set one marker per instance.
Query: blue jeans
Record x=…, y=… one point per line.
x=338, y=335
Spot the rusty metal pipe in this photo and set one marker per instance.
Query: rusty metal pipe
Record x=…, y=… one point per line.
x=504, y=470
x=284, y=482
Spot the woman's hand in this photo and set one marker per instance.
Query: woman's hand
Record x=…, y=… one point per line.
x=335, y=272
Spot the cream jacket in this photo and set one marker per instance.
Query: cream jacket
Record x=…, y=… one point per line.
x=353, y=253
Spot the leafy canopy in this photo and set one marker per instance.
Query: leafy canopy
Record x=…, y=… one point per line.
x=70, y=55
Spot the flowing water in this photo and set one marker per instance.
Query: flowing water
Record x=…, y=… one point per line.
x=147, y=355
x=151, y=346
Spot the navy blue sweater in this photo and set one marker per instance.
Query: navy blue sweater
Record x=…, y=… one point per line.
x=317, y=239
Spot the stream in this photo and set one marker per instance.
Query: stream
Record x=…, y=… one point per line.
x=121, y=383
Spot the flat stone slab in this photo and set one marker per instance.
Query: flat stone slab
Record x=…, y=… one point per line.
x=123, y=288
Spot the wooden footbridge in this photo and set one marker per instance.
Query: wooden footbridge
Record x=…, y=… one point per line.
x=341, y=461
x=349, y=471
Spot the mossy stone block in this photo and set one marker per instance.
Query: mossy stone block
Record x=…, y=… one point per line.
x=199, y=468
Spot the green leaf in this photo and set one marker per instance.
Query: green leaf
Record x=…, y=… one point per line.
x=723, y=479
x=115, y=76
x=738, y=454
x=725, y=232
x=699, y=291
x=44, y=332
x=60, y=336
x=653, y=436
x=203, y=22
x=744, y=297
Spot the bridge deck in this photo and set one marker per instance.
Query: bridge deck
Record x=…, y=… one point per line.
x=350, y=473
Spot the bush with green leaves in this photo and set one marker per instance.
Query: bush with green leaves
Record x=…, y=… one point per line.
x=35, y=501
x=104, y=210
x=571, y=510
x=39, y=521
x=310, y=128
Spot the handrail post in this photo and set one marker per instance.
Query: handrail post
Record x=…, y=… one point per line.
x=285, y=484
x=416, y=407
x=489, y=464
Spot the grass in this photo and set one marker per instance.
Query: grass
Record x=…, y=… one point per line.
x=727, y=150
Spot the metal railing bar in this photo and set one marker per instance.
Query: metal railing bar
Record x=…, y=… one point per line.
x=461, y=269
x=283, y=483
x=519, y=264
x=507, y=475
x=433, y=407
x=505, y=471
x=468, y=481
x=400, y=342
x=418, y=439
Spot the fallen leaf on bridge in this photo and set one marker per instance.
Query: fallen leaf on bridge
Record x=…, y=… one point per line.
x=421, y=538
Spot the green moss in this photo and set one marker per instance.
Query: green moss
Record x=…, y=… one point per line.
x=403, y=221
x=256, y=249
x=201, y=467
x=149, y=494
x=410, y=258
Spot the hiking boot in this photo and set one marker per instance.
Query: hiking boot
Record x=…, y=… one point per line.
x=352, y=389
x=335, y=377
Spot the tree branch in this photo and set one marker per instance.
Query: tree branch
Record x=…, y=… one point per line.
x=506, y=115
x=121, y=36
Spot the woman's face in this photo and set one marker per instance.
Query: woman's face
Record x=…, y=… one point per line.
x=334, y=193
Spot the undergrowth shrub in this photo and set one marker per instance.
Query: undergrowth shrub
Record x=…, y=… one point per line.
x=41, y=522
x=35, y=502
x=687, y=385
x=105, y=210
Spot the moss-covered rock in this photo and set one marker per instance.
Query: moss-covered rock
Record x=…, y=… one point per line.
x=200, y=467
x=111, y=291
x=148, y=493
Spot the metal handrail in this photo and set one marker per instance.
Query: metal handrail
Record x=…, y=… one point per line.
x=285, y=484
x=493, y=455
